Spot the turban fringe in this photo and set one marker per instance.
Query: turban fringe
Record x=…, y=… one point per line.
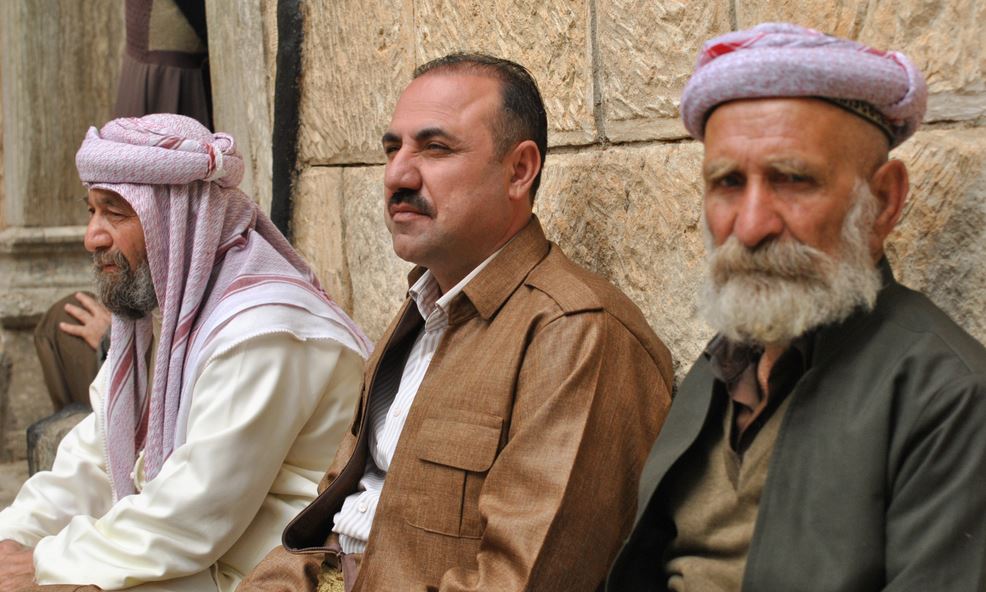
x=782, y=60
x=212, y=253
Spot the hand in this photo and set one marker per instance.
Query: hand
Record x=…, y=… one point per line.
x=94, y=317
x=16, y=566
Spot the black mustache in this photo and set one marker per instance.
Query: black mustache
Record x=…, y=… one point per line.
x=411, y=198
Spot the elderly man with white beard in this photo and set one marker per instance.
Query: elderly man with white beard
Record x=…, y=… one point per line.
x=831, y=435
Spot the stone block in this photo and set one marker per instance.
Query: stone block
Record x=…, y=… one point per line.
x=317, y=223
x=61, y=62
x=357, y=58
x=632, y=215
x=550, y=37
x=242, y=60
x=943, y=38
x=37, y=267
x=44, y=436
x=843, y=17
x=646, y=52
x=940, y=244
x=378, y=277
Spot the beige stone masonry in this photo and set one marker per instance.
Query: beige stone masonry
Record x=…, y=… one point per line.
x=631, y=214
x=317, y=219
x=646, y=54
x=939, y=247
x=242, y=61
x=61, y=61
x=549, y=37
x=357, y=58
x=378, y=277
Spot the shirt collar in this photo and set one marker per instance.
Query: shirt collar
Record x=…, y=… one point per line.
x=729, y=359
x=433, y=306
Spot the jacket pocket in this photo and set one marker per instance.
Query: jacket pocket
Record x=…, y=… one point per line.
x=454, y=453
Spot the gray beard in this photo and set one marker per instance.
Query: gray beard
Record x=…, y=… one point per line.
x=128, y=293
x=781, y=290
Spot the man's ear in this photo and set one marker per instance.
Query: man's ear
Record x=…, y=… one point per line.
x=525, y=164
x=890, y=185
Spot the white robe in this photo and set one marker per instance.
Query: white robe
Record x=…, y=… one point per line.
x=266, y=416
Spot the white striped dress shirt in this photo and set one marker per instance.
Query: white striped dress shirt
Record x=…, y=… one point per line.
x=387, y=415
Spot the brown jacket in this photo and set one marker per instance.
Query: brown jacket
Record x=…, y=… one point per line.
x=518, y=465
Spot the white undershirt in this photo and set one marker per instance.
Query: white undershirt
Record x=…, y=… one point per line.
x=387, y=416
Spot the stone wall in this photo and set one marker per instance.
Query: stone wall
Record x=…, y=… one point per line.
x=621, y=191
x=242, y=54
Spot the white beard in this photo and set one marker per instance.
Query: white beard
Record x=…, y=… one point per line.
x=782, y=290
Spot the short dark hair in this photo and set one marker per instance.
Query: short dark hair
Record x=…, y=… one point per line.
x=522, y=115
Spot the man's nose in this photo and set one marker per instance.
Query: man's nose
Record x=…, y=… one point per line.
x=97, y=237
x=402, y=172
x=757, y=219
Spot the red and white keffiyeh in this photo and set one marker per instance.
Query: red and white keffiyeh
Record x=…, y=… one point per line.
x=212, y=254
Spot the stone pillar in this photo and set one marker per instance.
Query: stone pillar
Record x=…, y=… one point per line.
x=242, y=56
x=60, y=64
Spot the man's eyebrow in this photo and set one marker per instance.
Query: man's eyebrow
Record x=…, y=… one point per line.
x=789, y=166
x=717, y=168
x=430, y=133
x=421, y=136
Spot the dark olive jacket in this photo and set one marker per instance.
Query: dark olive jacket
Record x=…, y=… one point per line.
x=878, y=476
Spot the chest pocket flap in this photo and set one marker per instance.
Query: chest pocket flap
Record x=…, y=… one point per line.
x=468, y=442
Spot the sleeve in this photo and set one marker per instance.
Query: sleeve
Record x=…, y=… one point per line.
x=936, y=519
x=49, y=499
x=282, y=571
x=248, y=405
x=562, y=494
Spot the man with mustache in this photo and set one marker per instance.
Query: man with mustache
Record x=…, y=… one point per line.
x=229, y=374
x=831, y=435
x=508, y=408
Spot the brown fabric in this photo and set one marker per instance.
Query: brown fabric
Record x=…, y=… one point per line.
x=68, y=364
x=138, y=15
x=349, y=564
x=281, y=571
x=735, y=365
x=517, y=467
x=714, y=506
x=160, y=81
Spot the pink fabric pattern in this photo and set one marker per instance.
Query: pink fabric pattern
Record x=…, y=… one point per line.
x=784, y=60
x=208, y=245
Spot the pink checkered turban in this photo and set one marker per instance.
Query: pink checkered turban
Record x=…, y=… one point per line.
x=784, y=60
x=212, y=253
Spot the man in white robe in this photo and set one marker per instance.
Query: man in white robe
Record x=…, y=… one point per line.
x=231, y=376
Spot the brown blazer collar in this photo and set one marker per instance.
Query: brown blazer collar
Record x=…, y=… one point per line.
x=487, y=292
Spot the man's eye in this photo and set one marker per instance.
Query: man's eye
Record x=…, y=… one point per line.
x=390, y=149
x=794, y=178
x=729, y=181
x=434, y=146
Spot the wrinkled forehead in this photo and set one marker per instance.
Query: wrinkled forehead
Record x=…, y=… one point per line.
x=807, y=125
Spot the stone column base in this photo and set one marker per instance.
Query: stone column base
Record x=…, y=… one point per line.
x=37, y=267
